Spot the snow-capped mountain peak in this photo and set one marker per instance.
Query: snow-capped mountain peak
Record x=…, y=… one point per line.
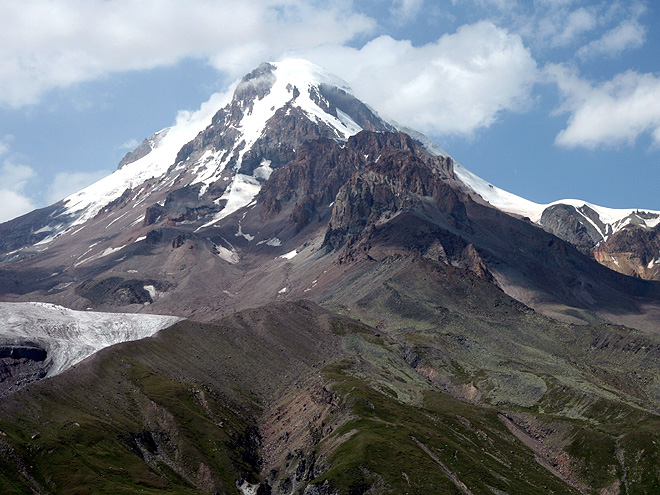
x=212, y=162
x=229, y=146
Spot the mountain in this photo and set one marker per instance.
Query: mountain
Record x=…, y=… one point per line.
x=363, y=315
x=177, y=216
x=218, y=164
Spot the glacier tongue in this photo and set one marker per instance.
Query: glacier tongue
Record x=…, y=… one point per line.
x=70, y=336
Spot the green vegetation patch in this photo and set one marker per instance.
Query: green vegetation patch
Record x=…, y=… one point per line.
x=427, y=449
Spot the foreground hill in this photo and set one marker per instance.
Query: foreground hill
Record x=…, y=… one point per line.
x=464, y=391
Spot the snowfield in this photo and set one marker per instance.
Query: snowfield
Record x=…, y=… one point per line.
x=70, y=336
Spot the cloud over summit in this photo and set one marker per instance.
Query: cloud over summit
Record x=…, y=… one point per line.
x=54, y=44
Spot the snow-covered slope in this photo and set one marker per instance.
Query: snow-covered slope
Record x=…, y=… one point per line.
x=227, y=130
x=70, y=336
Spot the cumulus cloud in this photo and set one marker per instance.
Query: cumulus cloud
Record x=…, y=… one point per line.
x=610, y=114
x=405, y=10
x=594, y=27
x=558, y=24
x=627, y=35
x=46, y=44
x=14, y=175
x=456, y=85
x=13, y=179
x=569, y=28
x=14, y=204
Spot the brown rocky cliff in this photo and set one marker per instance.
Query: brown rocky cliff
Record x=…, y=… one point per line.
x=633, y=251
x=396, y=181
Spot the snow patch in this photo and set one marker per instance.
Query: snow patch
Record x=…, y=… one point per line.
x=289, y=255
x=263, y=171
x=153, y=293
x=348, y=122
x=229, y=255
x=43, y=230
x=241, y=192
x=106, y=252
x=248, y=489
x=240, y=233
x=274, y=242
x=110, y=250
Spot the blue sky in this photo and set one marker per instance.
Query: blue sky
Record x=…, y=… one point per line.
x=548, y=99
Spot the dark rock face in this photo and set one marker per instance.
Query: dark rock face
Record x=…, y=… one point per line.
x=323, y=168
x=21, y=364
x=396, y=182
x=122, y=200
x=140, y=152
x=181, y=206
x=286, y=131
x=569, y=223
x=115, y=291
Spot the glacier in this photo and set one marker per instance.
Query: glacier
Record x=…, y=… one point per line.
x=70, y=336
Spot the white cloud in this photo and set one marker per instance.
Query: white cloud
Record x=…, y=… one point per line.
x=13, y=178
x=578, y=22
x=558, y=25
x=14, y=204
x=406, y=10
x=596, y=24
x=66, y=183
x=629, y=34
x=613, y=113
x=130, y=145
x=455, y=85
x=45, y=44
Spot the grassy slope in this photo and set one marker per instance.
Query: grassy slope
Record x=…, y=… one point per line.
x=586, y=391
x=178, y=413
